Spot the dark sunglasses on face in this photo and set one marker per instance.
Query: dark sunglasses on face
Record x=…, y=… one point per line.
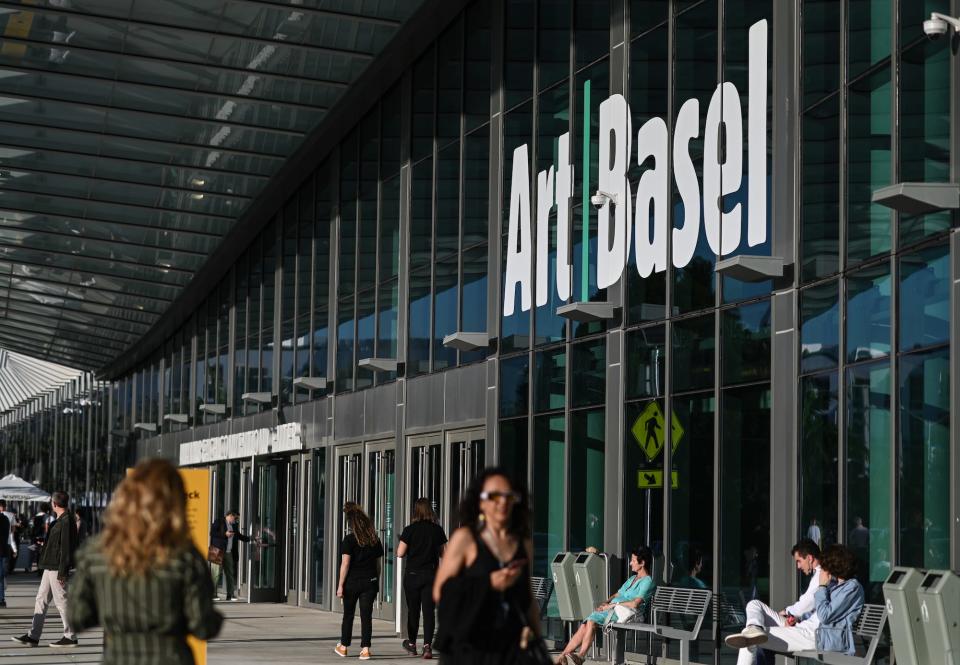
x=496, y=496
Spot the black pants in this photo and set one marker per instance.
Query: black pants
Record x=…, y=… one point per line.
x=364, y=592
x=418, y=589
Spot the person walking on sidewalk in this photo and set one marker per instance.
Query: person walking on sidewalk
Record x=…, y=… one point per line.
x=55, y=561
x=143, y=579
x=361, y=554
x=421, y=546
x=224, y=534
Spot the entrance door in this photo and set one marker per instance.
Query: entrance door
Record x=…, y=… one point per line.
x=426, y=474
x=467, y=459
x=381, y=492
x=269, y=509
x=293, y=533
x=349, y=485
x=245, y=506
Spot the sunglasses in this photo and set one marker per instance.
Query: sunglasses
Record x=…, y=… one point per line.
x=496, y=496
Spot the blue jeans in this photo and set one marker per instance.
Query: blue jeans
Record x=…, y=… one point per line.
x=3, y=579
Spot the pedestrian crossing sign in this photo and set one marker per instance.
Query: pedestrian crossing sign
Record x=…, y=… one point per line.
x=648, y=432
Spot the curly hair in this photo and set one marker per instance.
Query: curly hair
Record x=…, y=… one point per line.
x=519, y=524
x=839, y=561
x=360, y=524
x=146, y=521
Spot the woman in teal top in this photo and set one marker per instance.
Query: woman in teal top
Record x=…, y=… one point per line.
x=635, y=594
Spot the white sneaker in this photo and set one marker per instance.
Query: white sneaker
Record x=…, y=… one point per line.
x=748, y=637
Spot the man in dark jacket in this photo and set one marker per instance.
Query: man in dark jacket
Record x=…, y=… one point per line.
x=56, y=557
x=225, y=534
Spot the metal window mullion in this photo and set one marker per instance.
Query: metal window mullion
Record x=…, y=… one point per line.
x=434, y=152
x=842, y=397
x=461, y=179
x=277, y=303
x=377, y=222
x=333, y=277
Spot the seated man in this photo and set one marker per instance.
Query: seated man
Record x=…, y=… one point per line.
x=838, y=600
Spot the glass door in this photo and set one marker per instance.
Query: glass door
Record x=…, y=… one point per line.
x=381, y=493
x=348, y=479
x=293, y=533
x=426, y=475
x=244, y=493
x=269, y=504
x=467, y=459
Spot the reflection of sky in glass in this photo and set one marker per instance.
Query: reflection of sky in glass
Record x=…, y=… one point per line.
x=868, y=314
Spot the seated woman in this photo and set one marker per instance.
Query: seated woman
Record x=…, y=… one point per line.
x=839, y=601
x=635, y=594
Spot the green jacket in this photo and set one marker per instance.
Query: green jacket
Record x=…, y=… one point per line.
x=145, y=619
x=60, y=545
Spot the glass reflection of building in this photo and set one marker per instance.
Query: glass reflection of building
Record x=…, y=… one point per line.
x=396, y=240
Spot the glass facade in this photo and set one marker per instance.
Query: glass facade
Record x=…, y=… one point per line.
x=405, y=233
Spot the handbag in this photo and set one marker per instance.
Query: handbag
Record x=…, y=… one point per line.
x=536, y=652
x=215, y=555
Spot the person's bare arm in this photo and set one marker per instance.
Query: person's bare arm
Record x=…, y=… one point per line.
x=454, y=559
x=344, y=567
x=401, y=550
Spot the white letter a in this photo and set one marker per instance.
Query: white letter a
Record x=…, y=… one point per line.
x=518, y=258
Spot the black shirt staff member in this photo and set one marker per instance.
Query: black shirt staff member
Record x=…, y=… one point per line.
x=421, y=546
x=360, y=555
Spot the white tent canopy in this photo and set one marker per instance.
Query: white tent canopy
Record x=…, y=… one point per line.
x=15, y=488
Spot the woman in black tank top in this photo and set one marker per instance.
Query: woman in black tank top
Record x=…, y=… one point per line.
x=483, y=584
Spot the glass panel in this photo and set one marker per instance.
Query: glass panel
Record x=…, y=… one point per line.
x=819, y=485
x=266, y=527
x=644, y=14
x=925, y=124
x=745, y=493
x=444, y=312
x=821, y=48
x=419, y=336
x=474, y=311
x=695, y=77
x=347, y=265
x=518, y=53
x=476, y=174
x=868, y=164
x=746, y=343
x=642, y=497
x=448, y=201
x=514, y=385
x=589, y=366
x=390, y=149
x=868, y=313
x=820, y=327
x=923, y=499
x=692, y=526
x=266, y=321
x=591, y=21
x=646, y=297
x=553, y=42
x=421, y=215
x=476, y=80
x=421, y=144
x=548, y=460
x=381, y=484
x=693, y=348
x=925, y=313
x=820, y=211
x=513, y=447
x=449, y=79
x=553, y=121
x=586, y=479
x=868, y=468
x=549, y=379
x=646, y=362
x=869, y=34
x=517, y=130
x=366, y=334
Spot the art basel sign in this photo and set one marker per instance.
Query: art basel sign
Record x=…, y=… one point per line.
x=644, y=210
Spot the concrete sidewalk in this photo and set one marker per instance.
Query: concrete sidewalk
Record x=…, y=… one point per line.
x=253, y=634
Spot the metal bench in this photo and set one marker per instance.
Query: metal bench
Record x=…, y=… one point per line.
x=541, y=588
x=868, y=627
x=690, y=604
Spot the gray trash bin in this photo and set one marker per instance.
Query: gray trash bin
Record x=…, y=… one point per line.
x=903, y=615
x=939, y=600
x=590, y=576
x=565, y=586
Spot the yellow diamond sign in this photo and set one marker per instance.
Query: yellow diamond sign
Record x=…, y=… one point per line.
x=647, y=430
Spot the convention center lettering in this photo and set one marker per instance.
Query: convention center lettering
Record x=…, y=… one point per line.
x=645, y=209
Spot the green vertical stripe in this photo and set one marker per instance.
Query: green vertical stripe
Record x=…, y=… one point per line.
x=585, y=231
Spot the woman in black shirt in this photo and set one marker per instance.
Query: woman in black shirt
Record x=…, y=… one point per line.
x=421, y=543
x=361, y=551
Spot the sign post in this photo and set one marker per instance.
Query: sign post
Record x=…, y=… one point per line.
x=197, y=485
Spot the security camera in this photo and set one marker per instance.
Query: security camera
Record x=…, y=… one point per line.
x=601, y=198
x=935, y=28
x=939, y=25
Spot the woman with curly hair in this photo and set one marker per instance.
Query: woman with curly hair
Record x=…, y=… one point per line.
x=839, y=600
x=487, y=613
x=143, y=579
x=360, y=555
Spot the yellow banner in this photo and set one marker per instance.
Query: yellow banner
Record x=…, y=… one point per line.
x=197, y=483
